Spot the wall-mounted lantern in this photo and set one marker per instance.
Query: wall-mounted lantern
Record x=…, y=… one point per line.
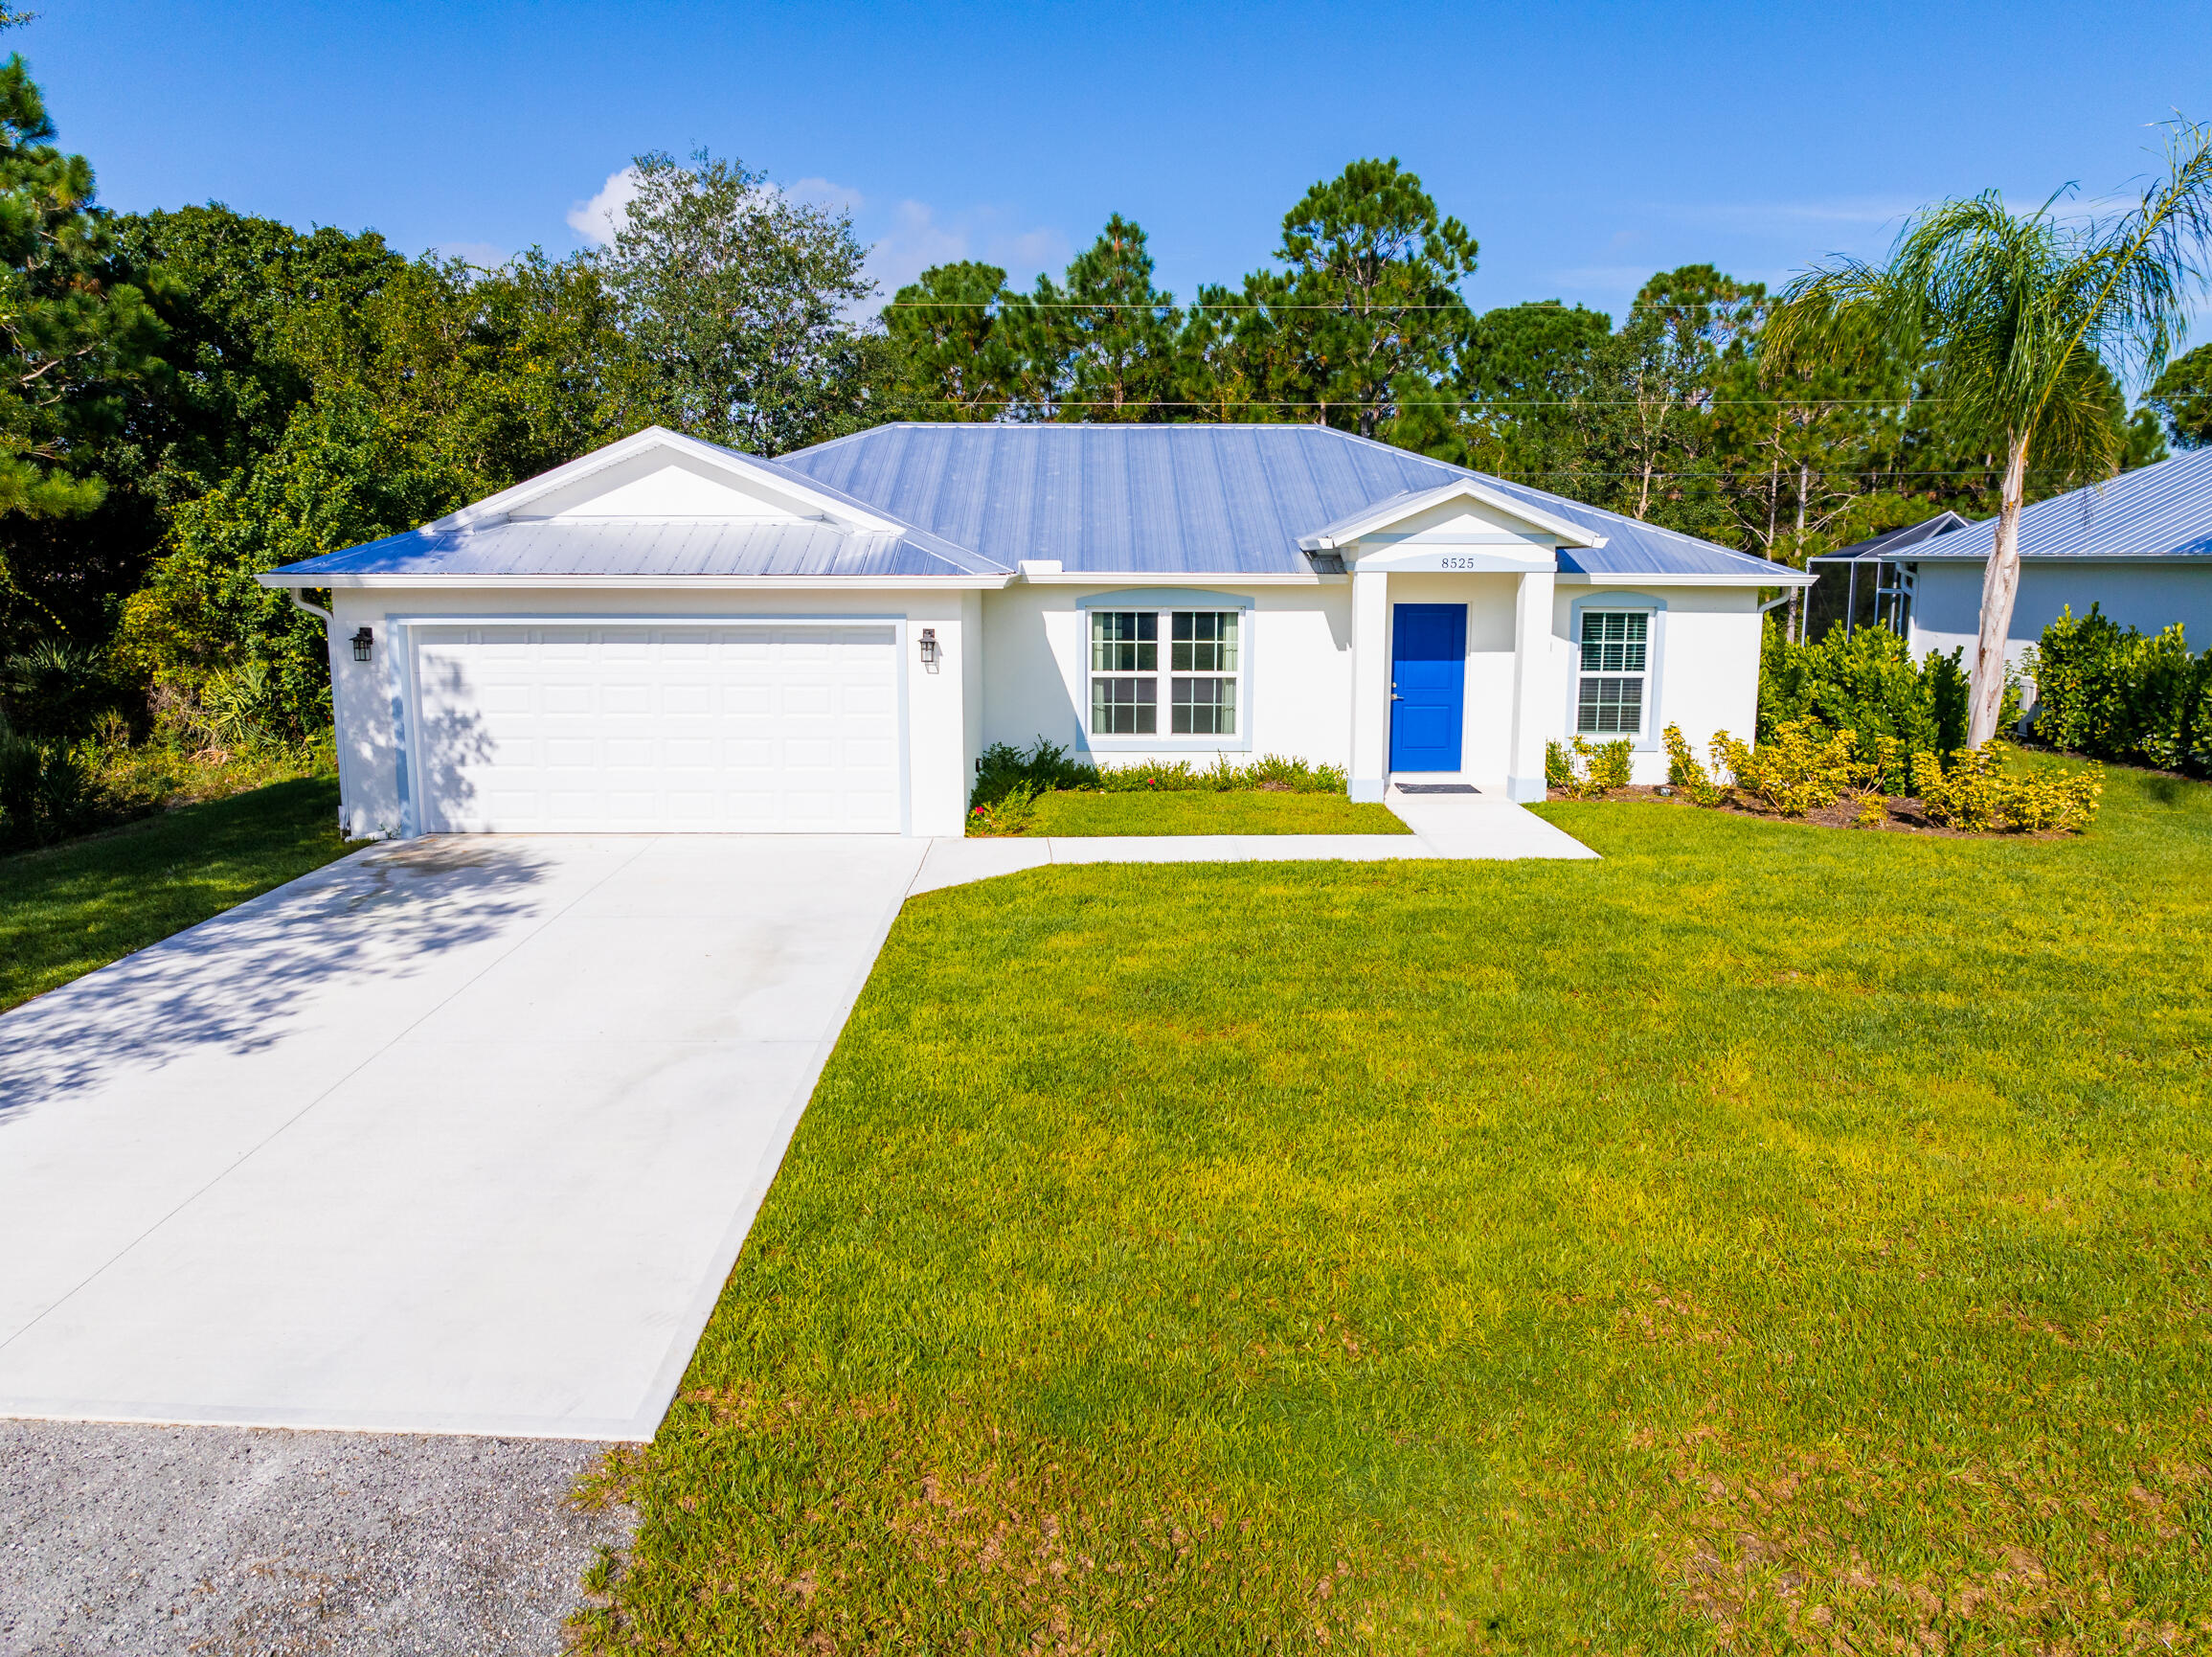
x=363, y=642
x=929, y=647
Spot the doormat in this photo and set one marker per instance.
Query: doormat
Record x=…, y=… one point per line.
x=1439, y=788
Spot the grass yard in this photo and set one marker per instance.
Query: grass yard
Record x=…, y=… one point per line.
x=1767, y=1239
x=70, y=908
x=1194, y=812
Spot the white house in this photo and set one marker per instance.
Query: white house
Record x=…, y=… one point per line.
x=2139, y=545
x=666, y=634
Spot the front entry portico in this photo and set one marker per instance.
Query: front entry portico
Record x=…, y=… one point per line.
x=1461, y=537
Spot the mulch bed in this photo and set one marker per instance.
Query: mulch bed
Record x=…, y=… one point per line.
x=1906, y=816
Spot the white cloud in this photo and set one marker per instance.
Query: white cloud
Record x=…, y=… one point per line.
x=598, y=220
x=823, y=193
x=917, y=237
x=481, y=254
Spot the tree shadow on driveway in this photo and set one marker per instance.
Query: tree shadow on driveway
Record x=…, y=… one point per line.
x=244, y=980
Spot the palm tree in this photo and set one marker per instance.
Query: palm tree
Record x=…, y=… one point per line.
x=2012, y=321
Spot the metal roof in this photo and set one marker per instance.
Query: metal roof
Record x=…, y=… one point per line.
x=2162, y=510
x=1892, y=542
x=548, y=547
x=1203, y=499
x=975, y=499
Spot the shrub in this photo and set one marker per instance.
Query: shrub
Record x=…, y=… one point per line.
x=1585, y=772
x=1558, y=766
x=1805, y=766
x=56, y=692
x=47, y=792
x=1046, y=766
x=1869, y=683
x=2114, y=694
x=1971, y=793
x=1606, y=764
x=1686, y=772
x=1011, y=812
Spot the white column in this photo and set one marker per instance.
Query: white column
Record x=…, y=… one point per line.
x=1535, y=693
x=1370, y=683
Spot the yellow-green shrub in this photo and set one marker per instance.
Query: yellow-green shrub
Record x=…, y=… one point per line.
x=1971, y=793
x=1586, y=771
x=1688, y=772
x=1806, y=766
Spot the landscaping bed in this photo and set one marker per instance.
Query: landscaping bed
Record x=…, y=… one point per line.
x=1903, y=814
x=1748, y=1242
x=1243, y=811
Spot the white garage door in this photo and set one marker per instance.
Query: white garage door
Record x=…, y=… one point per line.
x=722, y=728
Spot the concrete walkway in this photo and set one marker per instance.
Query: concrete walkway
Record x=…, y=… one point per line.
x=462, y=1135
x=1483, y=825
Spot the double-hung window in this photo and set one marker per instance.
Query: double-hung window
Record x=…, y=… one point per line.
x=1609, y=689
x=1187, y=662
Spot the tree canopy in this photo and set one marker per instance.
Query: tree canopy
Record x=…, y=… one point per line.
x=190, y=397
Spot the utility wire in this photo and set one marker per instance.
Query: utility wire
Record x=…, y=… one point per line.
x=1022, y=302
x=1439, y=402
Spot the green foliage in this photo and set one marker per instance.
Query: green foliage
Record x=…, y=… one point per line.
x=1588, y=771
x=957, y=355
x=1046, y=767
x=1008, y=811
x=347, y=470
x=75, y=335
x=1805, y=766
x=1870, y=684
x=2114, y=694
x=2181, y=397
x=46, y=791
x=56, y=692
x=1688, y=772
x=728, y=295
x=1972, y=793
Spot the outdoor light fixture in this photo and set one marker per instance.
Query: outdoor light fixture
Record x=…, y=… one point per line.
x=362, y=640
x=929, y=646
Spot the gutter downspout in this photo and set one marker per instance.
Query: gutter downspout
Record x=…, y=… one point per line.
x=328, y=619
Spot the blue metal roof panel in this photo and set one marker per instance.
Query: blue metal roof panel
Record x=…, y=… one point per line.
x=1185, y=499
x=550, y=548
x=2156, y=511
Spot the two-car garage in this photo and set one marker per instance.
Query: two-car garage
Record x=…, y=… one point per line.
x=712, y=726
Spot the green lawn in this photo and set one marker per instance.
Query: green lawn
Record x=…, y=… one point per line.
x=72, y=908
x=1765, y=1238
x=1192, y=812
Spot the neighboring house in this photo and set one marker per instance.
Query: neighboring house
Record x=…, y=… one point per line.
x=1869, y=584
x=2139, y=545
x=666, y=634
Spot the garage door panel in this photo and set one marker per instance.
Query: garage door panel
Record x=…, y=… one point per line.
x=646, y=728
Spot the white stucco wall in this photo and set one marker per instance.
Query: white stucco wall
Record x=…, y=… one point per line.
x=1706, y=663
x=1297, y=676
x=942, y=724
x=1946, y=600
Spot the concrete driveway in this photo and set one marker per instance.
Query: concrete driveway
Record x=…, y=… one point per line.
x=456, y=1136
x=462, y=1135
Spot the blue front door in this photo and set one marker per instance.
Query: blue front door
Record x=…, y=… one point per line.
x=1427, y=686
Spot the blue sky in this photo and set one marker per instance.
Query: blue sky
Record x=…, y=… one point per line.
x=1585, y=145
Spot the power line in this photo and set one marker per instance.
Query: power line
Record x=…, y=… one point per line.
x=1022, y=302
x=1443, y=402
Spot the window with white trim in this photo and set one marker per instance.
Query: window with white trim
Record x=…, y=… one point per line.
x=1609, y=695
x=1203, y=672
